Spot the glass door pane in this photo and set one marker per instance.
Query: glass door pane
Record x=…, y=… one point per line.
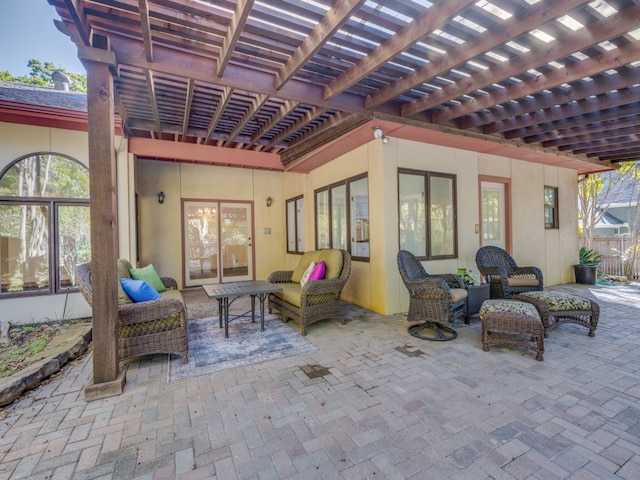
x=493, y=214
x=442, y=216
x=359, y=191
x=413, y=218
x=300, y=225
x=74, y=242
x=201, y=243
x=339, y=217
x=322, y=219
x=235, y=234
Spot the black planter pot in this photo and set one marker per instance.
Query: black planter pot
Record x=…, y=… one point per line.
x=586, y=274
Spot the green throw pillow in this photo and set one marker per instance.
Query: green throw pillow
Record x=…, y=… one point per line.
x=149, y=275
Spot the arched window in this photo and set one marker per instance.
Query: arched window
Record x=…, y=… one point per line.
x=44, y=224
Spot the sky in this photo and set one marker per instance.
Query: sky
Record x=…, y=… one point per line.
x=27, y=31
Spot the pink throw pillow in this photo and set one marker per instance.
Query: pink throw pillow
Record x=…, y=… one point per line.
x=318, y=272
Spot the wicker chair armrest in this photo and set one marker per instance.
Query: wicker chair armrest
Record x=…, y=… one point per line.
x=170, y=283
x=280, y=276
x=141, y=312
x=320, y=287
x=453, y=280
x=433, y=287
x=497, y=271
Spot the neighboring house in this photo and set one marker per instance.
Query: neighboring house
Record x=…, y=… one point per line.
x=610, y=225
x=373, y=200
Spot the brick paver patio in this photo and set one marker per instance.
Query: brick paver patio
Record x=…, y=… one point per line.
x=371, y=403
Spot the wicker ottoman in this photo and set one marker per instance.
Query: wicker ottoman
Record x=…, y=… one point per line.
x=512, y=322
x=560, y=307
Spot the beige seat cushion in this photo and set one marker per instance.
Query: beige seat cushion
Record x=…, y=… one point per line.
x=458, y=294
x=522, y=281
x=290, y=293
x=172, y=294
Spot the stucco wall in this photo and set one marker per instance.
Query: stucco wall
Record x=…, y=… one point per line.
x=20, y=140
x=554, y=251
x=375, y=284
x=160, y=224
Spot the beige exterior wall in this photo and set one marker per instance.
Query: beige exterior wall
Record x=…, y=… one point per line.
x=21, y=140
x=160, y=224
x=375, y=284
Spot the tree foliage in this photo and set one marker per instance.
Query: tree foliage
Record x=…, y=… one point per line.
x=596, y=193
x=41, y=75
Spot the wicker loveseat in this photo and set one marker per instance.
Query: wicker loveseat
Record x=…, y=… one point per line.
x=145, y=328
x=317, y=299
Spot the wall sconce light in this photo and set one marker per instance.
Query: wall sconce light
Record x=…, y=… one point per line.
x=379, y=134
x=269, y=201
x=161, y=197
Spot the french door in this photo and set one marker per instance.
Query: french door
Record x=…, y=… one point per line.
x=218, y=242
x=493, y=214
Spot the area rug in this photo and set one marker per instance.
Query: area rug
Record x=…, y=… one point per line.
x=210, y=351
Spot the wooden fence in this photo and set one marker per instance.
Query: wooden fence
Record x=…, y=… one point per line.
x=619, y=255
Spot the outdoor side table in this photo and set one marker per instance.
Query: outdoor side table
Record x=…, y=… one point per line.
x=476, y=295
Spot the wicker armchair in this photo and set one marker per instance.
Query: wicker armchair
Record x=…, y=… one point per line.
x=316, y=300
x=435, y=300
x=146, y=328
x=505, y=278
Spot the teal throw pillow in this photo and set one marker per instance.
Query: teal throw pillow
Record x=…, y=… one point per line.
x=139, y=290
x=149, y=275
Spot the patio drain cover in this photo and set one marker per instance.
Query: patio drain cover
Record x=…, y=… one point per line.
x=410, y=353
x=315, y=371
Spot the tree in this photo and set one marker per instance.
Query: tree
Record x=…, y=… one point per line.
x=596, y=193
x=41, y=75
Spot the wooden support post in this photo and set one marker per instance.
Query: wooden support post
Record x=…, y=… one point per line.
x=107, y=379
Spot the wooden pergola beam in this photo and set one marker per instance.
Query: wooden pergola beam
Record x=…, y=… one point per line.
x=309, y=116
x=337, y=16
x=539, y=133
x=145, y=23
x=285, y=109
x=153, y=101
x=527, y=21
x=239, y=19
x=187, y=108
x=220, y=108
x=396, y=44
x=560, y=96
x=256, y=105
x=561, y=47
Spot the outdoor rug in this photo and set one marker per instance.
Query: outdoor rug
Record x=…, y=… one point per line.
x=210, y=352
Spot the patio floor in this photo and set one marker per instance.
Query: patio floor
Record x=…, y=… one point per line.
x=389, y=406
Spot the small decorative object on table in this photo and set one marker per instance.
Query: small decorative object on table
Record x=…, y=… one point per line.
x=466, y=277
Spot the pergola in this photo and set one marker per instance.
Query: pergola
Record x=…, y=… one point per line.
x=293, y=83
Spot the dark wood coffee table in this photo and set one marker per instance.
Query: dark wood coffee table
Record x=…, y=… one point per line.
x=227, y=293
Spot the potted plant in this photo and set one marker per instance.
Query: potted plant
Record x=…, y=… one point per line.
x=587, y=270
